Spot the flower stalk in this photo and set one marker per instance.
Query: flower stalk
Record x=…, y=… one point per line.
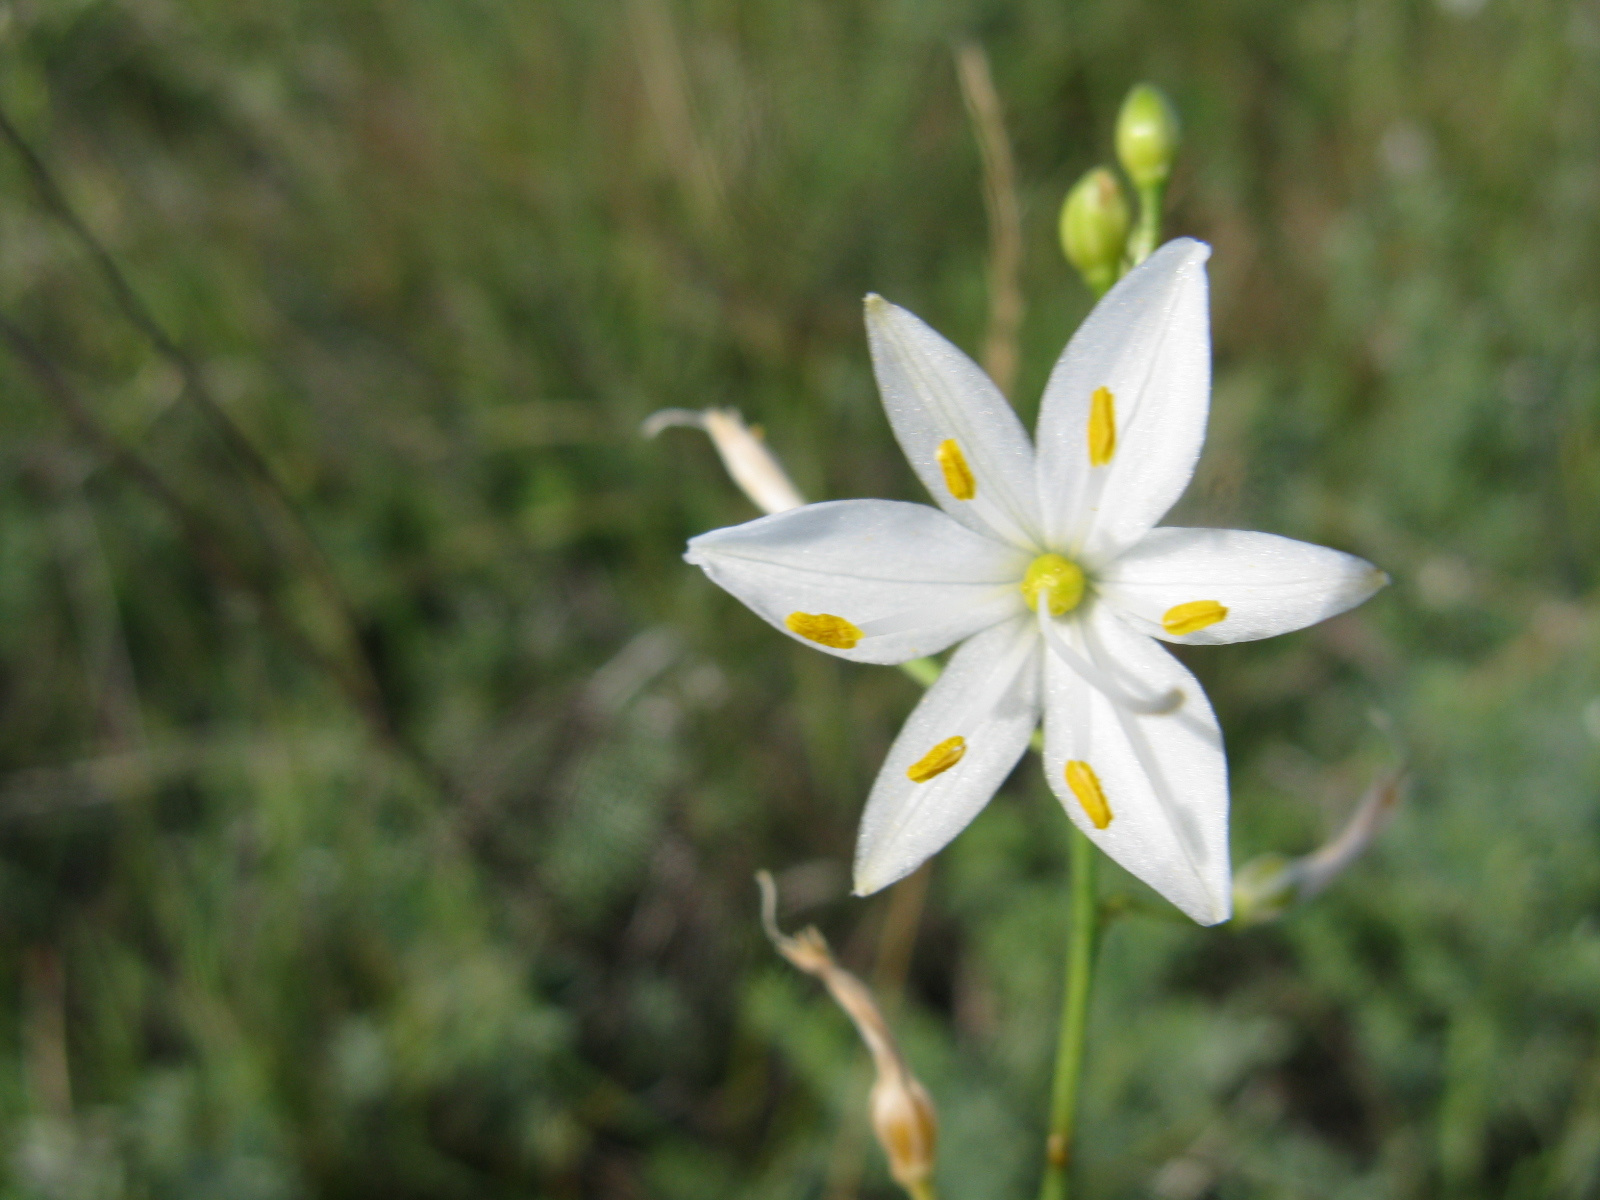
x=1147, y=139
x=1085, y=935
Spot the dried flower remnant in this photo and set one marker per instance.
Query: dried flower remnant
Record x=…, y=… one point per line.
x=751, y=464
x=903, y=1115
x=1268, y=886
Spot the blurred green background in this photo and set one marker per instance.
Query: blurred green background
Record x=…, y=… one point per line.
x=380, y=792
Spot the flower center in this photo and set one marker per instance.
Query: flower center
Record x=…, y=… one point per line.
x=1059, y=580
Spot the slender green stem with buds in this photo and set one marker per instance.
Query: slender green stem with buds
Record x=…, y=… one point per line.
x=1146, y=234
x=1074, y=1020
x=1097, y=240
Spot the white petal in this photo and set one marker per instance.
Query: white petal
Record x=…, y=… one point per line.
x=1164, y=778
x=989, y=696
x=1267, y=584
x=935, y=394
x=1149, y=343
x=910, y=579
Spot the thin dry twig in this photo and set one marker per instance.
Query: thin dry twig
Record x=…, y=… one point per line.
x=359, y=673
x=210, y=551
x=666, y=89
x=898, y=937
x=1000, y=352
x=44, y=1030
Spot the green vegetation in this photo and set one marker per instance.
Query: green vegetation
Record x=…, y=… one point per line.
x=381, y=793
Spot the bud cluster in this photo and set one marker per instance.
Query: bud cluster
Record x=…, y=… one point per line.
x=1098, y=235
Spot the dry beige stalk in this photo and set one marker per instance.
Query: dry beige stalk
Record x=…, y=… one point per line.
x=1005, y=214
x=670, y=107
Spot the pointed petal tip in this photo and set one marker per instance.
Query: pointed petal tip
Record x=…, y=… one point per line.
x=862, y=884
x=871, y=878
x=878, y=313
x=1173, y=258
x=1365, y=584
x=1206, y=910
x=1192, y=249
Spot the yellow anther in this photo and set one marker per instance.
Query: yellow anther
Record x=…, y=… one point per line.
x=957, y=475
x=1102, y=427
x=1085, y=785
x=1192, y=617
x=825, y=629
x=1060, y=579
x=938, y=760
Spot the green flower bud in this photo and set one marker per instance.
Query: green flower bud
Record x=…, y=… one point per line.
x=1094, y=228
x=1147, y=136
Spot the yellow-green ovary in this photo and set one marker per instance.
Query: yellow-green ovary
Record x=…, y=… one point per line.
x=1058, y=579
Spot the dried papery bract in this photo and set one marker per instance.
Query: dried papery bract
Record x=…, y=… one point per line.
x=1005, y=213
x=903, y=1116
x=750, y=463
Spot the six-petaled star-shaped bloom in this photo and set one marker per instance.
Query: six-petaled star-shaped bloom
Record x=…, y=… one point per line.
x=1047, y=566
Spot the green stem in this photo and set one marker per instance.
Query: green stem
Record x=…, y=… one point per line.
x=925, y=671
x=1086, y=912
x=1147, y=231
x=1074, y=1021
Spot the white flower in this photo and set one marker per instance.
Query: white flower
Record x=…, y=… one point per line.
x=1046, y=565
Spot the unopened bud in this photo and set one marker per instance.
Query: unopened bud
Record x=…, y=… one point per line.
x=1094, y=228
x=903, y=1117
x=1147, y=136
